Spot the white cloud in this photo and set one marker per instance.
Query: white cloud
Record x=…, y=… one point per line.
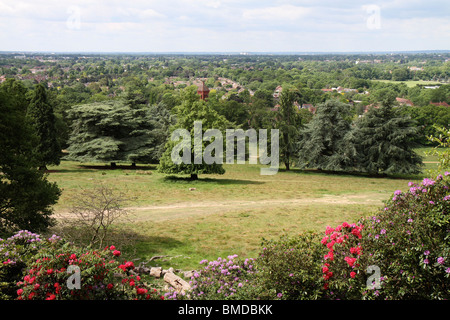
x=280, y=14
x=223, y=25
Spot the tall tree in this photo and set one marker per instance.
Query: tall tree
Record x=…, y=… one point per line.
x=288, y=122
x=118, y=131
x=41, y=115
x=325, y=141
x=26, y=196
x=190, y=111
x=384, y=141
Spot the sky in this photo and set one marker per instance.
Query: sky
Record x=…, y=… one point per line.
x=224, y=25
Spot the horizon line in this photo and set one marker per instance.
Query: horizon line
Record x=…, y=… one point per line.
x=228, y=52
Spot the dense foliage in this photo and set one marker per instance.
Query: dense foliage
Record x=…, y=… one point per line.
x=53, y=269
x=26, y=196
x=117, y=131
x=402, y=252
x=384, y=142
x=193, y=110
x=43, y=120
x=325, y=141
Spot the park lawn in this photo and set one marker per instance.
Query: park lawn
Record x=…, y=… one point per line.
x=220, y=215
x=413, y=83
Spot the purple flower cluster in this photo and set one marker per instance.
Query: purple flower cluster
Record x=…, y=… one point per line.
x=26, y=236
x=11, y=248
x=413, y=227
x=219, y=279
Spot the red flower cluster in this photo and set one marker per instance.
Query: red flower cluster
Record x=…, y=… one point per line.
x=128, y=265
x=342, y=236
x=47, y=277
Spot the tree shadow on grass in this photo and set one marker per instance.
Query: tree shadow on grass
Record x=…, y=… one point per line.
x=354, y=174
x=93, y=167
x=119, y=167
x=176, y=179
x=133, y=245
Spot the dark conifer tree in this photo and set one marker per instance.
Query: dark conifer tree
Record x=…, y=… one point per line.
x=384, y=140
x=26, y=196
x=43, y=120
x=325, y=141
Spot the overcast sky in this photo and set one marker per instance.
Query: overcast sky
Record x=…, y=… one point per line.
x=224, y=25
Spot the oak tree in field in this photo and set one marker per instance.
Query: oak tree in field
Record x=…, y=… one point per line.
x=192, y=110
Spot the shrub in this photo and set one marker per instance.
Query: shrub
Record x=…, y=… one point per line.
x=407, y=244
x=289, y=268
x=341, y=268
x=409, y=241
x=15, y=254
x=32, y=268
x=222, y=279
x=101, y=276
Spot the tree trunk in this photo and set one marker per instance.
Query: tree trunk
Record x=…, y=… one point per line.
x=287, y=165
x=113, y=165
x=133, y=165
x=194, y=176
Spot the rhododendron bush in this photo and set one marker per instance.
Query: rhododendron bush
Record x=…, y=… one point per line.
x=15, y=253
x=222, y=278
x=401, y=252
x=61, y=271
x=409, y=241
x=341, y=263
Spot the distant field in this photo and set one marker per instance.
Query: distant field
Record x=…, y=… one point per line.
x=412, y=83
x=230, y=213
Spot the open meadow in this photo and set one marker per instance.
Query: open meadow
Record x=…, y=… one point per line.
x=220, y=215
x=413, y=83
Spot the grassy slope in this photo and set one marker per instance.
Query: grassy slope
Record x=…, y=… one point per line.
x=230, y=213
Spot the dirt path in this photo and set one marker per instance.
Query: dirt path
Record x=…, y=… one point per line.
x=187, y=209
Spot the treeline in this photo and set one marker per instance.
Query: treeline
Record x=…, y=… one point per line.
x=27, y=145
x=130, y=128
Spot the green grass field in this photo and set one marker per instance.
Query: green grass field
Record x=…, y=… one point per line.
x=230, y=213
x=412, y=83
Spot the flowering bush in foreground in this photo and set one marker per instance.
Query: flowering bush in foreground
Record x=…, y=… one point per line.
x=289, y=268
x=51, y=276
x=43, y=269
x=15, y=252
x=409, y=240
x=221, y=279
x=341, y=262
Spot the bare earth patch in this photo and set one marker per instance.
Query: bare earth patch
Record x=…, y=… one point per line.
x=188, y=209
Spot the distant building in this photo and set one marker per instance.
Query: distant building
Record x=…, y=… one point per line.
x=372, y=105
x=404, y=102
x=340, y=90
x=277, y=92
x=440, y=104
x=203, y=91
